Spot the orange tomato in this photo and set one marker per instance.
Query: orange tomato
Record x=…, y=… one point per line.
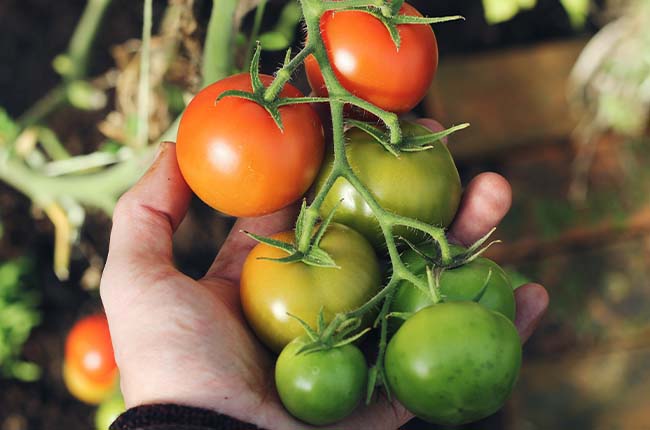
x=236, y=159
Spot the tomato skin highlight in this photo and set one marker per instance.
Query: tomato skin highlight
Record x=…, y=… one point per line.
x=367, y=63
x=236, y=159
x=321, y=387
x=89, y=351
x=269, y=290
x=453, y=363
x=423, y=185
x=462, y=283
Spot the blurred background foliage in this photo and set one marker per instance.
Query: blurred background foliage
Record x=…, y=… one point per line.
x=558, y=94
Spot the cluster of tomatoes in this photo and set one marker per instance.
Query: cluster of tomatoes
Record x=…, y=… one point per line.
x=451, y=362
x=89, y=369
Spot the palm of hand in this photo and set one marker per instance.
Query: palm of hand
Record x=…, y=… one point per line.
x=183, y=341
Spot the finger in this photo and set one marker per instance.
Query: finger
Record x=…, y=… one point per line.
x=147, y=215
x=532, y=302
x=485, y=202
x=229, y=261
x=380, y=414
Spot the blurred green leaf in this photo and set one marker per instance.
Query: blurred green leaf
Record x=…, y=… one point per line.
x=497, y=11
x=8, y=128
x=19, y=314
x=577, y=11
x=282, y=35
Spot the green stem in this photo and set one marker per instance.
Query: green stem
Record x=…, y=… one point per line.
x=143, y=83
x=42, y=108
x=77, y=59
x=284, y=74
x=257, y=23
x=218, y=58
x=350, y=4
x=100, y=190
x=84, y=36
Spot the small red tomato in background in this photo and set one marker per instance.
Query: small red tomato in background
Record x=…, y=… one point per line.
x=236, y=159
x=369, y=65
x=89, y=369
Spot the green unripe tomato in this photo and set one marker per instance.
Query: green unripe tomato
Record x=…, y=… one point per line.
x=459, y=284
x=108, y=411
x=320, y=387
x=453, y=363
x=423, y=185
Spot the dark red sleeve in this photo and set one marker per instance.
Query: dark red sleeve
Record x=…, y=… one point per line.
x=176, y=417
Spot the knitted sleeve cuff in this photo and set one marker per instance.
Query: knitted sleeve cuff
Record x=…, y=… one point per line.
x=176, y=417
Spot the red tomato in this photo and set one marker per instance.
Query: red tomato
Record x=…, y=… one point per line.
x=367, y=63
x=89, y=352
x=237, y=160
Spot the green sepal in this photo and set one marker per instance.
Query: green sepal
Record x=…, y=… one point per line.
x=433, y=280
x=300, y=100
x=238, y=93
x=256, y=82
x=325, y=223
x=286, y=247
x=293, y=258
x=395, y=6
x=401, y=315
x=424, y=142
x=275, y=114
x=477, y=298
x=300, y=221
x=351, y=339
x=473, y=252
x=436, y=260
x=313, y=335
x=319, y=258
x=408, y=19
x=379, y=135
x=287, y=58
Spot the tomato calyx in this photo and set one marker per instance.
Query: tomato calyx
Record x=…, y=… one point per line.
x=407, y=143
x=267, y=97
x=389, y=15
x=336, y=334
x=313, y=254
x=470, y=254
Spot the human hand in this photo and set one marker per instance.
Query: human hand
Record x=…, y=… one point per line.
x=179, y=340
